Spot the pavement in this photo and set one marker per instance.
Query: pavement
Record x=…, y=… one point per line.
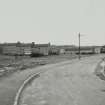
x=70, y=83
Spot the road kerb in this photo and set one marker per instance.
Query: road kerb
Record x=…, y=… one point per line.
x=18, y=94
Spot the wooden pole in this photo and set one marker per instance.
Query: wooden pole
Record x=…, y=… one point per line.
x=79, y=47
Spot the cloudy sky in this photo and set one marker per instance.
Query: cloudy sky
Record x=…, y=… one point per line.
x=55, y=21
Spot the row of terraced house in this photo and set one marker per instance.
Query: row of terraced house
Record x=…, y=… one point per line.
x=30, y=49
x=44, y=49
x=24, y=48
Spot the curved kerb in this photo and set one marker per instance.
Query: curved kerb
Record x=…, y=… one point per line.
x=18, y=94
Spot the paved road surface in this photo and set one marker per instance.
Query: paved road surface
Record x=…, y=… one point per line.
x=10, y=85
x=68, y=84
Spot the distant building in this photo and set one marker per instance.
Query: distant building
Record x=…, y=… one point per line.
x=87, y=50
x=103, y=49
x=41, y=49
x=1, y=49
x=65, y=49
x=61, y=51
x=83, y=50
x=25, y=48
x=46, y=49
x=53, y=50
x=16, y=48
x=97, y=49
x=12, y=49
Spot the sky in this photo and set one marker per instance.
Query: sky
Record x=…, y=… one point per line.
x=56, y=21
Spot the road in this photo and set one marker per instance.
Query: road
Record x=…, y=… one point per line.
x=10, y=84
x=72, y=83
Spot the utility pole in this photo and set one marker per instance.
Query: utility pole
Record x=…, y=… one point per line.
x=79, y=49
